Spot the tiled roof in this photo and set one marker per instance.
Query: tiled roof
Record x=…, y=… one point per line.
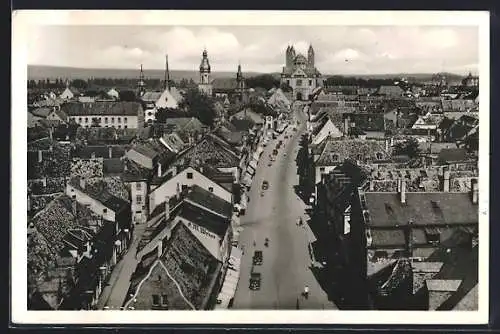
x=121, y=108
x=385, y=209
x=452, y=155
x=390, y=90
x=210, y=201
x=96, y=135
x=204, y=218
x=368, y=121
x=336, y=151
x=41, y=112
x=55, y=163
x=111, y=192
x=99, y=151
x=151, y=96
x=224, y=84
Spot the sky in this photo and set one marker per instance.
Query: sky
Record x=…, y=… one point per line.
x=338, y=49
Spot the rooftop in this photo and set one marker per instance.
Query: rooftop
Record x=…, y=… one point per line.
x=336, y=151
x=110, y=191
x=385, y=209
x=211, y=221
x=104, y=108
x=210, y=201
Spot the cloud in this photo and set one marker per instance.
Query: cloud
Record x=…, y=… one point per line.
x=338, y=49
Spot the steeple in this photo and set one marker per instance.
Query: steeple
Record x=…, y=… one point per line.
x=166, y=84
x=141, y=84
x=204, y=85
x=310, y=56
x=239, y=75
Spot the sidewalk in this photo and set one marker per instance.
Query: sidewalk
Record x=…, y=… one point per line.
x=113, y=295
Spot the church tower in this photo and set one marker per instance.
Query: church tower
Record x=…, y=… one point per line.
x=310, y=57
x=141, y=85
x=204, y=85
x=287, y=57
x=240, y=83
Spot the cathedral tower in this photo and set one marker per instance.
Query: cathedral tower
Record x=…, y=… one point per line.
x=310, y=57
x=240, y=82
x=205, y=85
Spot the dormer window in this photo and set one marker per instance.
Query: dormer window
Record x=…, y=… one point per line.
x=379, y=156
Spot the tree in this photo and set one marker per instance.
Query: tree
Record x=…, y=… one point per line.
x=199, y=106
x=266, y=81
x=285, y=87
x=127, y=95
x=79, y=84
x=408, y=147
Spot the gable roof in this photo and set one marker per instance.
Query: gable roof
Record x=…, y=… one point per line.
x=151, y=96
x=166, y=100
x=224, y=84
x=176, y=94
x=203, y=218
x=448, y=155
x=336, y=151
x=190, y=271
x=209, y=201
x=42, y=112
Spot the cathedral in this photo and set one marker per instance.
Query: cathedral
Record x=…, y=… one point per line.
x=300, y=73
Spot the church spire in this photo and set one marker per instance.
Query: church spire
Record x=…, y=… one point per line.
x=141, y=82
x=166, y=84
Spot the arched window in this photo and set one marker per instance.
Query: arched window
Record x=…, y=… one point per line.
x=379, y=156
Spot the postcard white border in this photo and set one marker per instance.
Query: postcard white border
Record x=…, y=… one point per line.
x=21, y=20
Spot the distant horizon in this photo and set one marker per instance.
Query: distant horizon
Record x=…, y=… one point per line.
x=194, y=70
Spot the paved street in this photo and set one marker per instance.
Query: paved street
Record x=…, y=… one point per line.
x=114, y=293
x=285, y=269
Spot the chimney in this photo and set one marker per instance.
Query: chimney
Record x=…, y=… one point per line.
x=159, y=170
x=110, y=152
x=475, y=191
x=403, y=192
x=371, y=185
x=40, y=156
x=399, y=185
x=160, y=248
x=167, y=208
x=446, y=181
x=387, y=145
x=44, y=181
x=73, y=205
x=82, y=182
x=178, y=192
x=392, y=141
x=50, y=132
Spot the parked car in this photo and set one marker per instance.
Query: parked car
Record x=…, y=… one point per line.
x=255, y=280
x=257, y=258
x=265, y=185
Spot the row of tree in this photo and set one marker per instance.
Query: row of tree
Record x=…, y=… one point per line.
x=106, y=83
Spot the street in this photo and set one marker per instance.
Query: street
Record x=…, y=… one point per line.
x=286, y=261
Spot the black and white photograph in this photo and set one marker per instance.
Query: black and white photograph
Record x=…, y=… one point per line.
x=324, y=166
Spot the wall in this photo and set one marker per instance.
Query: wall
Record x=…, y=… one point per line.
x=169, y=188
x=152, y=286
x=94, y=205
x=133, y=122
x=139, y=210
x=234, y=170
x=306, y=87
x=210, y=240
x=317, y=173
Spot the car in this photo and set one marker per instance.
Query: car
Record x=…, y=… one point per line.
x=265, y=185
x=257, y=258
x=286, y=137
x=275, y=152
x=255, y=280
x=269, y=164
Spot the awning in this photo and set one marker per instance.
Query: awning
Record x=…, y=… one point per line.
x=253, y=164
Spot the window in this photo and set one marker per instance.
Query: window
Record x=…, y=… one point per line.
x=379, y=156
x=310, y=82
x=79, y=119
x=184, y=187
x=211, y=189
x=138, y=186
x=138, y=199
x=112, y=119
x=288, y=82
x=119, y=119
x=156, y=300
x=164, y=300
x=125, y=126
x=124, y=119
x=322, y=169
x=150, y=113
x=189, y=175
x=299, y=82
x=86, y=119
x=335, y=157
x=106, y=120
x=119, y=126
x=100, y=120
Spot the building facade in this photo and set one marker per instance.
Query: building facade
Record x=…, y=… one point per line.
x=300, y=73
